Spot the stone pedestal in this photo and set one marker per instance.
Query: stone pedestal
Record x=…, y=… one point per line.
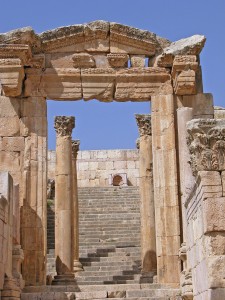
x=64, y=233
x=148, y=235
x=77, y=266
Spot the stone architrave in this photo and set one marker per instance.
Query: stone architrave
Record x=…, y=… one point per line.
x=77, y=266
x=64, y=233
x=148, y=234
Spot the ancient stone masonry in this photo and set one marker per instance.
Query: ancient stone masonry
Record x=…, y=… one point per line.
x=181, y=184
x=147, y=207
x=205, y=208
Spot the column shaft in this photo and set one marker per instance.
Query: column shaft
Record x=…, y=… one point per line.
x=63, y=197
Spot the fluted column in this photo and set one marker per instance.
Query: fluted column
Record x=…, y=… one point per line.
x=77, y=266
x=147, y=209
x=64, y=210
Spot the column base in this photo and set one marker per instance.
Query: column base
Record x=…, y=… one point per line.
x=65, y=279
x=77, y=266
x=10, y=289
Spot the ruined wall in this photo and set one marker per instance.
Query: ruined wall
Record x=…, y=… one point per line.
x=95, y=167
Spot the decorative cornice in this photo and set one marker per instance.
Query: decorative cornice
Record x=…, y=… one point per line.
x=206, y=141
x=64, y=125
x=75, y=148
x=144, y=124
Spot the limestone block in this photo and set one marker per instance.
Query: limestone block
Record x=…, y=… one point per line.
x=170, y=226
x=10, y=161
x=137, y=61
x=167, y=245
x=120, y=165
x=170, y=270
x=98, y=84
x=118, y=60
x=10, y=107
x=54, y=83
x=28, y=125
x=59, y=60
x=85, y=154
x=214, y=214
x=214, y=243
x=83, y=166
x=83, y=60
x=11, y=76
x=200, y=278
x=223, y=182
x=10, y=126
x=215, y=294
x=216, y=271
x=101, y=154
x=219, y=112
x=139, y=84
x=34, y=107
x=185, y=83
x=125, y=39
x=13, y=144
x=209, y=178
x=201, y=103
x=101, y=61
x=93, y=165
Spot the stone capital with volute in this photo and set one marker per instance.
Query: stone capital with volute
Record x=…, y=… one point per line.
x=75, y=148
x=64, y=125
x=144, y=124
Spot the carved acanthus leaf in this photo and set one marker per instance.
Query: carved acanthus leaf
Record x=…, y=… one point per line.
x=206, y=141
x=144, y=124
x=64, y=125
x=75, y=148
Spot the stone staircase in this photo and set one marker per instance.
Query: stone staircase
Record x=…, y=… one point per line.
x=109, y=250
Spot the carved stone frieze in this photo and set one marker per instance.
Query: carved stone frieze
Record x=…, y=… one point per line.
x=118, y=60
x=23, y=52
x=206, y=141
x=75, y=148
x=83, y=60
x=64, y=125
x=144, y=124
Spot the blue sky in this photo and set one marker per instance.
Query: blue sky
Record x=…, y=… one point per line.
x=112, y=125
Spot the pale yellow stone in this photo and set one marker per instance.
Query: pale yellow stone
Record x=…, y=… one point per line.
x=13, y=144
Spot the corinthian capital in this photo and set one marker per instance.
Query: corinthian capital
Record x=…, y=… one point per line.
x=206, y=141
x=64, y=125
x=75, y=148
x=144, y=124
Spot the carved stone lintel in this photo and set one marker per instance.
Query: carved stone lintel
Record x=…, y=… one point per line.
x=64, y=125
x=206, y=141
x=75, y=148
x=23, y=52
x=144, y=124
x=118, y=60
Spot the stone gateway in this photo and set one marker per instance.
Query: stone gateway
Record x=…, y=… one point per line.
x=173, y=214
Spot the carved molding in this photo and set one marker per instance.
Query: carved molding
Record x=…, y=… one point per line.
x=144, y=124
x=118, y=60
x=75, y=148
x=23, y=52
x=184, y=74
x=83, y=60
x=64, y=125
x=206, y=141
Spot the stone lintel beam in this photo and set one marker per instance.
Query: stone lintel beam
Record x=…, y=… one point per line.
x=206, y=142
x=11, y=76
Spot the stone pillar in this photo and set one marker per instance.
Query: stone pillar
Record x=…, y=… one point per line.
x=77, y=266
x=64, y=233
x=167, y=207
x=147, y=208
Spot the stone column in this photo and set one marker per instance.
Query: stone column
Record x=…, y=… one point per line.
x=147, y=208
x=166, y=199
x=77, y=266
x=64, y=233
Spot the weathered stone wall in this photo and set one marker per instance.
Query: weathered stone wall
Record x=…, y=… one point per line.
x=206, y=239
x=95, y=167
